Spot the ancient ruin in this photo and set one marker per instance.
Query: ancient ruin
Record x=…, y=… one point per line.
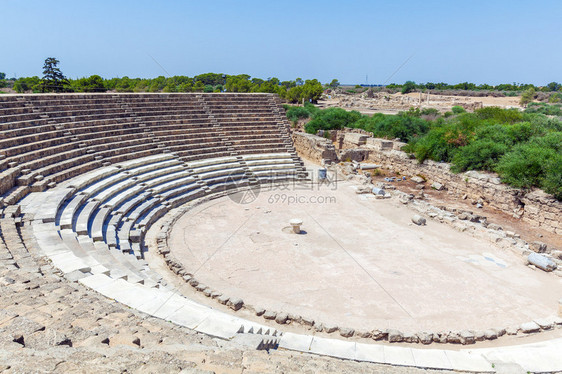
x=154, y=221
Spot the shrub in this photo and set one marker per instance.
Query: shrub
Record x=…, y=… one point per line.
x=332, y=119
x=478, y=155
x=458, y=109
x=295, y=113
x=430, y=112
x=526, y=165
x=527, y=96
x=552, y=182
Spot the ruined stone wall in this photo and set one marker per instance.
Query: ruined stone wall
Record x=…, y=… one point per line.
x=536, y=207
x=314, y=148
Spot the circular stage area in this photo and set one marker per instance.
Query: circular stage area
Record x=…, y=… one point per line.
x=358, y=262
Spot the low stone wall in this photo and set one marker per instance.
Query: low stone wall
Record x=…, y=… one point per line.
x=536, y=207
x=314, y=148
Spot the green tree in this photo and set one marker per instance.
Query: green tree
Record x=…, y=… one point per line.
x=93, y=83
x=28, y=84
x=409, y=86
x=53, y=78
x=554, y=86
x=527, y=96
x=334, y=83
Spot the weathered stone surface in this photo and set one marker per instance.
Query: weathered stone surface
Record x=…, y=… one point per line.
x=269, y=314
x=124, y=339
x=538, y=247
x=417, y=179
x=330, y=328
x=542, y=262
x=467, y=337
x=395, y=336
x=425, y=337
x=437, y=186
x=379, y=334
x=235, y=304
x=490, y=334
x=529, y=327
x=418, y=220
x=346, y=332
x=281, y=318
x=544, y=323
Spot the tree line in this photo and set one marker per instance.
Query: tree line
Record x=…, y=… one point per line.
x=294, y=91
x=410, y=86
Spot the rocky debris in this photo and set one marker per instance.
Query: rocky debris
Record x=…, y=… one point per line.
x=544, y=323
x=364, y=334
x=346, y=332
x=494, y=226
x=410, y=338
x=363, y=190
x=453, y=337
x=437, y=186
x=417, y=179
x=318, y=327
x=418, y=220
x=425, y=337
x=223, y=299
x=235, y=303
x=269, y=314
x=529, y=327
x=467, y=337
x=330, y=328
x=281, y=318
x=379, y=334
x=538, y=247
x=260, y=311
x=395, y=336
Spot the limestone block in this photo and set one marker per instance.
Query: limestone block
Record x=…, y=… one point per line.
x=418, y=220
x=542, y=262
x=529, y=327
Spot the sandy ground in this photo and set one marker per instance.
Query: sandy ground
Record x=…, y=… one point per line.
x=361, y=263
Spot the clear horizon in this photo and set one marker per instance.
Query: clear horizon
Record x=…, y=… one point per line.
x=391, y=42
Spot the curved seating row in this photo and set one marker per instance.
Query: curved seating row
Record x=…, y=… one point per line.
x=46, y=139
x=92, y=227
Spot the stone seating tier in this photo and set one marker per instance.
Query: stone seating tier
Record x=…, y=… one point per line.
x=45, y=139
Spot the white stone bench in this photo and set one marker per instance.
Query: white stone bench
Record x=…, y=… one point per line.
x=83, y=218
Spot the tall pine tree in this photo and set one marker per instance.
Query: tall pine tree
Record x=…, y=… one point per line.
x=53, y=78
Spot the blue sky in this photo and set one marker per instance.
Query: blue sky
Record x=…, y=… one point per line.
x=448, y=41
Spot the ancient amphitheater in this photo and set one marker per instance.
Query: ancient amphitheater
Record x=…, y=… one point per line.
x=139, y=233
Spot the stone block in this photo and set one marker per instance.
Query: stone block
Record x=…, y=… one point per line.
x=542, y=262
x=418, y=220
x=529, y=327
